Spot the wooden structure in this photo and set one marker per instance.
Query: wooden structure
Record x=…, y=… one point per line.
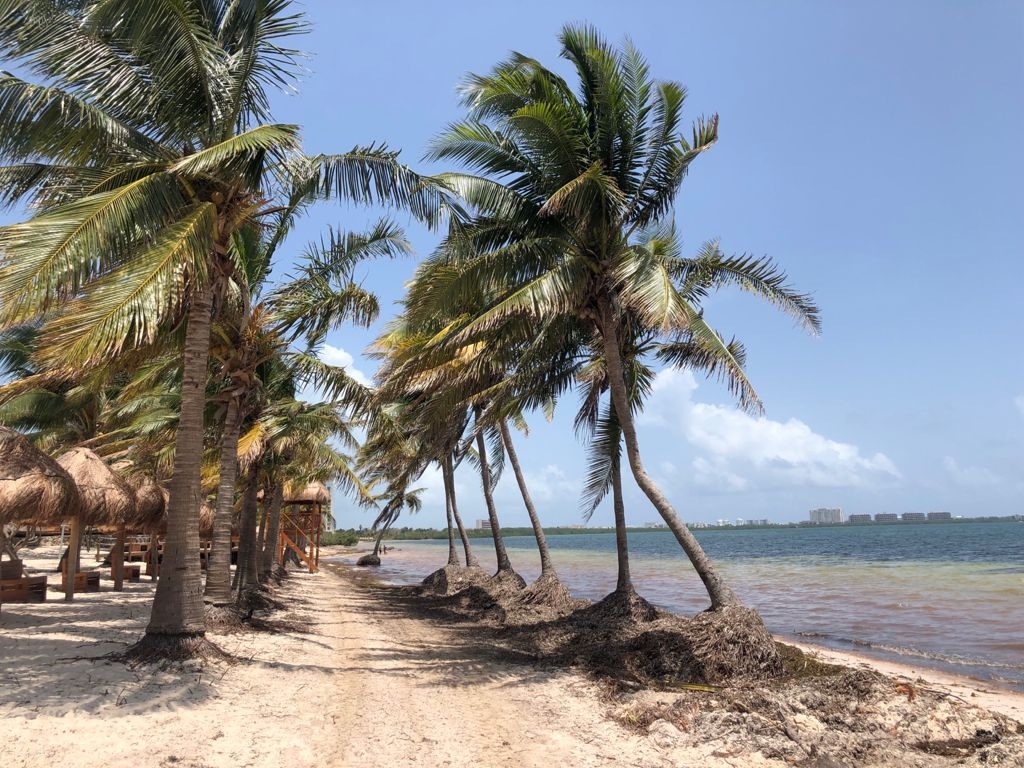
x=33, y=489
x=17, y=587
x=106, y=499
x=302, y=524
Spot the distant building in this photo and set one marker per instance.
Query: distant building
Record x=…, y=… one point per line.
x=483, y=525
x=939, y=516
x=913, y=517
x=826, y=516
x=887, y=517
x=858, y=519
x=759, y=523
x=655, y=525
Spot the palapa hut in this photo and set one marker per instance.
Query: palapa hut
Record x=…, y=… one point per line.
x=302, y=522
x=33, y=489
x=150, y=517
x=151, y=503
x=107, y=500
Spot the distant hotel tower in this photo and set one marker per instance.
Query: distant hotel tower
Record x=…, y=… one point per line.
x=887, y=517
x=825, y=516
x=857, y=519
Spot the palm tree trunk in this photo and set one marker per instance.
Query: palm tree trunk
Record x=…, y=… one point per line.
x=247, y=573
x=546, y=568
x=117, y=559
x=625, y=580
x=380, y=536
x=448, y=471
x=153, y=556
x=261, y=535
x=453, y=552
x=504, y=564
x=271, y=550
x=218, y=562
x=178, y=603
x=719, y=592
x=71, y=565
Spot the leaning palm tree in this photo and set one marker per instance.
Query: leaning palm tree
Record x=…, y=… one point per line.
x=567, y=183
x=149, y=147
x=396, y=500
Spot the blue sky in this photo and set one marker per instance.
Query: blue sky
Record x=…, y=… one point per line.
x=873, y=149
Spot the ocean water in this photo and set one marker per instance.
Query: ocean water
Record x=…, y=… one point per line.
x=943, y=596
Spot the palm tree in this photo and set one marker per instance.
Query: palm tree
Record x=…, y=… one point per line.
x=150, y=147
x=322, y=294
x=572, y=204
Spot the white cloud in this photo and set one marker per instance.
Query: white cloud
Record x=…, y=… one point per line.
x=547, y=485
x=338, y=356
x=334, y=356
x=714, y=475
x=969, y=476
x=742, y=452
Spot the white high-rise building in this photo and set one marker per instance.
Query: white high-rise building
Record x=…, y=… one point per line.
x=826, y=516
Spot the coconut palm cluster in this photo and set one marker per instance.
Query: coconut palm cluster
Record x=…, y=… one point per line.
x=138, y=318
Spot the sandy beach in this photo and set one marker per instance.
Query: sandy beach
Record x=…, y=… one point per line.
x=342, y=677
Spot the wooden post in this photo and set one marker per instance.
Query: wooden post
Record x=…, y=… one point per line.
x=151, y=557
x=319, y=533
x=117, y=560
x=71, y=565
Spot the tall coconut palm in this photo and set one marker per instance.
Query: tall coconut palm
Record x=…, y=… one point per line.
x=322, y=294
x=149, y=147
x=566, y=183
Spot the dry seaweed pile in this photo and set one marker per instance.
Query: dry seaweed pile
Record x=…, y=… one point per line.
x=622, y=637
x=732, y=644
x=719, y=685
x=828, y=717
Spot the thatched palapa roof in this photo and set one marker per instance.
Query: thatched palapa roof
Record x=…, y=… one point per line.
x=33, y=487
x=151, y=503
x=314, y=493
x=107, y=499
x=206, y=515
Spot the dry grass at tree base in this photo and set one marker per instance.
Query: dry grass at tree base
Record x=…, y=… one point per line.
x=453, y=578
x=720, y=678
x=832, y=717
x=622, y=636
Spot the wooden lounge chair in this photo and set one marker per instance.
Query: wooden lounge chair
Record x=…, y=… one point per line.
x=26, y=589
x=132, y=572
x=85, y=581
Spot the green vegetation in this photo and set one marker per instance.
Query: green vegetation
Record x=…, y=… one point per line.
x=343, y=538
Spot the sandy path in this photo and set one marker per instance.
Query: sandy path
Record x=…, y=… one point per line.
x=416, y=694
x=365, y=685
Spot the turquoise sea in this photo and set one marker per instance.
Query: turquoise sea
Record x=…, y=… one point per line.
x=946, y=596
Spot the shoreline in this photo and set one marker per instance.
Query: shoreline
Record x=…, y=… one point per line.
x=978, y=691
x=957, y=638
x=973, y=690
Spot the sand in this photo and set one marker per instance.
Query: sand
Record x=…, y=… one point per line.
x=348, y=679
